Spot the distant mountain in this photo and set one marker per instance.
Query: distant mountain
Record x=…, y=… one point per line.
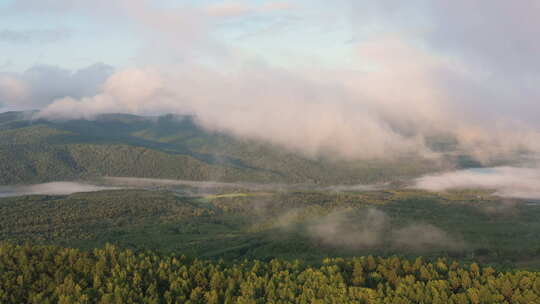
x=172, y=147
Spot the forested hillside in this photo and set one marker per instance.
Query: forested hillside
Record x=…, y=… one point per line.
x=43, y=274
x=172, y=147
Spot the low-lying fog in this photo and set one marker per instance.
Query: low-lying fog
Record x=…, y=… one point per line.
x=184, y=187
x=511, y=182
x=135, y=182
x=506, y=181
x=54, y=188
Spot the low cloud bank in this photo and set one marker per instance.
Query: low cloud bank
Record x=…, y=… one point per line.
x=153, y=182
x=346, y=115
x=356, y=188
x=403, y=85
x=137, y=182
x=506, y=181
x=54, y=188
x=184, y=186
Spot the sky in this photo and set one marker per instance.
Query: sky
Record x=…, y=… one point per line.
x=59, y=33
x=352, y=78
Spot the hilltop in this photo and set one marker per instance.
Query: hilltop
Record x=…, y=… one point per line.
x=175, y=147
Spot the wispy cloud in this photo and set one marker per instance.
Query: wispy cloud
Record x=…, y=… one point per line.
x=33, y=36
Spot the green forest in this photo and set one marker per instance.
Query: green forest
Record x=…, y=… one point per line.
x=48, y=274
x=471, y=226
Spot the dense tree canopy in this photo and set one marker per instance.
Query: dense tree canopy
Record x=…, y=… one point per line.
x=47, y=274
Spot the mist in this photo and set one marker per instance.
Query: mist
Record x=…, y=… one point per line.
x=198, y=187
x=183, y=187
x=355, y=188
x=373, y=228
x=340, y=229
x=511, y=182
x=155, y=182
x=422, y=237
x=53, y=188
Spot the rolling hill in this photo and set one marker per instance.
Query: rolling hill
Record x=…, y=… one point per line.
x=172, y=147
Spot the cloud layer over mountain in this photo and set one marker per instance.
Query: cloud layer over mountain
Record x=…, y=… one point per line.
x=465, y=69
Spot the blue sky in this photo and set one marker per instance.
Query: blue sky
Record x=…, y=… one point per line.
x=297, y=35
x=84, y=41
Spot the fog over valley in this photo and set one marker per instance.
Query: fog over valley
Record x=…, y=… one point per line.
x=505, y=181
x=511, y=182
x=53, y=188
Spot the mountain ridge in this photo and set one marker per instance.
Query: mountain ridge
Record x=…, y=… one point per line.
x=173, y=147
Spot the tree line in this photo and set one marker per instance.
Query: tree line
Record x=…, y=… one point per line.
x=50, y=274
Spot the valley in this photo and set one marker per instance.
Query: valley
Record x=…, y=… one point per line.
x=165, y=189
x=241, y=223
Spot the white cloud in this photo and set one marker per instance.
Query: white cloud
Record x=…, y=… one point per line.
x=386, y=111
x=507, y=181
x=41, y=85
x=128, y=91
x=12, y=89
x=408, y=86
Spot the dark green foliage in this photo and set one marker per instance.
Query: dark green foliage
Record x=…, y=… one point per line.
x=263, y=225
x=44, y=274
x=85, y=216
